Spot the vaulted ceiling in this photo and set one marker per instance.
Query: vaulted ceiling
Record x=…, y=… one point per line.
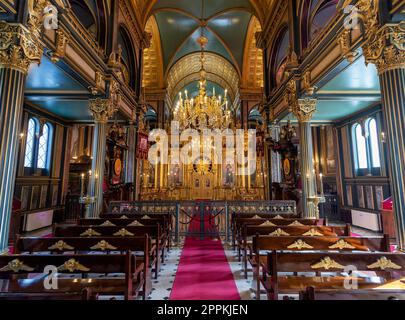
x=229, y=25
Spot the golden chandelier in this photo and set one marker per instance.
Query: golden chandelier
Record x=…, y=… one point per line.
x=203, y=112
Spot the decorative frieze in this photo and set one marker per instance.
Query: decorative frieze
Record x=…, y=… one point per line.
x=62, y=39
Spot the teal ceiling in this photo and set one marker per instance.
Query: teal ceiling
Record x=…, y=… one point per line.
x=336, y=110
x=232, y=28
x=69, y=110
x=47, y=76
x=174, y=30
x=212, y=7
x=52, y=89
x=357, y=77
x=179, y=27
x=191, y=46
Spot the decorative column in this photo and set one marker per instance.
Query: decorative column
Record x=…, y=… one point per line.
x=304, y=110
x=130, y=166
x=102, y=110
x=19, y=47
x=385, y=48
x=276, y=176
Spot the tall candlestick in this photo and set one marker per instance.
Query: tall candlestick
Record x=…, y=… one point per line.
x=82, y=184
x=321, y=179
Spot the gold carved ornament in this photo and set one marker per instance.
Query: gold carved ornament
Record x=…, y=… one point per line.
x=135, y=223
x=103, y=245
x=383, y=46
x=16, y=266
x=384, y=264
x=313, y=233
x=279, y=233
x=123, y=233
x=296, y=224
x=90, y=233
x=327, y=263
x=300, y=244
x=341, y=244
x=61, y=245
x=72, y=265
x=19, y=45
x=305, y=109
x=102, y=109
x=267, y=224
x=107, y=223
x=62, y=39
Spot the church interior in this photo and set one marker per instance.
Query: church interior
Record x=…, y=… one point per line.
x=301, y=194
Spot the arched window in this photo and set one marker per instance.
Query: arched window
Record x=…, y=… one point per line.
x=37, y=146
x=366, y=147
x=360, y=147
x=30, y=143
x=374, y=144
x=43, y=148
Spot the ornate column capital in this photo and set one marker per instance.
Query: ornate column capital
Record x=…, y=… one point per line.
x=305, y=109
x=102, y=109
x=19, y=45
x=385, y=47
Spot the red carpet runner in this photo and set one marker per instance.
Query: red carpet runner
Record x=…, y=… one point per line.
x=204, y=273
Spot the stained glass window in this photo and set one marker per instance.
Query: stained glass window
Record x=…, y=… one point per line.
x=360, y=147
x=43, y=146
x=375, y=148
x=30, y=143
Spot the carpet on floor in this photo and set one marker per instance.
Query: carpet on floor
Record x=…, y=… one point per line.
x=204, y=272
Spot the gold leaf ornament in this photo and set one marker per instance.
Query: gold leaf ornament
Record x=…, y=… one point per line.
x=300, y=244
x=327, y=263
x=61, y=245
x=16, y=266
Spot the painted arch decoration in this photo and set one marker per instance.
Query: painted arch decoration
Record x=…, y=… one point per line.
x=219, y=70
x=315, y=16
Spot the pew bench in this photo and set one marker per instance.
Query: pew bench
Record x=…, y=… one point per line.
x=312, y=293
x=25, y=274
x=372, y=270
x=142, y=220
x=249, y=232
x=154, y=232
x=240, y=222
x=140, y=246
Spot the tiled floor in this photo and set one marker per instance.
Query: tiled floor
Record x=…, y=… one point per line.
x=162, y=287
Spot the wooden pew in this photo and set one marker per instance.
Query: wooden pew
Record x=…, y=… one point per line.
x=289, y=231
x=140, y=246
x=386, y=266
x=316, y=294
x=240, y=221
x=161, y=220
x=86, y=294
x=20, y=269
x=154, y=232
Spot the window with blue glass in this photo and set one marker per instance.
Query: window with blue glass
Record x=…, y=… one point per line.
x=366, y=147
x=38, y=145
